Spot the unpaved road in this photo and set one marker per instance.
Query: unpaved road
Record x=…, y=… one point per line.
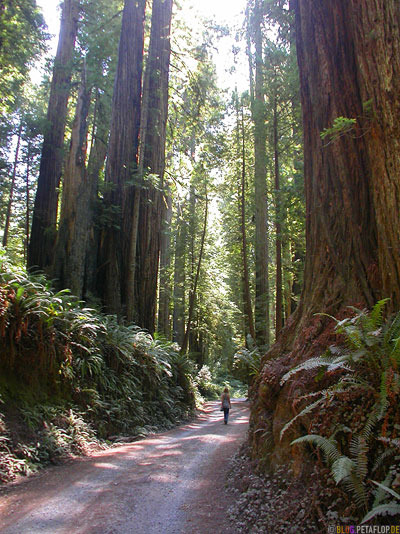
x=171, y=483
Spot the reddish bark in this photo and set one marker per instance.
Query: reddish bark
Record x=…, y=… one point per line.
x=153, y=134
x=43, y=232
x=349, y=62
x=118, y=239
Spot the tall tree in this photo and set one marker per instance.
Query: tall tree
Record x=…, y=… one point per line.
x=12, y=186
x=153, y=137
x=351, y=175
x=262, y=306
x=43, y=232
x=70, y=250
x=241, y=147
x=118, y=244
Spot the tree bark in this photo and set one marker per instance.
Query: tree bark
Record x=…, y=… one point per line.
x=43, y=231
x=118, y=239
x=349, y=62
x=12, y=187
x=96, y=161
x=70, y=250
x=179, y=279
x=165, y=266
x=248, y=310
x=192, y=299
x=153, y=136
x=260, y=190
x=278, y=226
x=27, y=191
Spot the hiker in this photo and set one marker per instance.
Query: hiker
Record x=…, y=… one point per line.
x=225, y=404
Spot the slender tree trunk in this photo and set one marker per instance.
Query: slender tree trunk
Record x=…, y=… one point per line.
x=119, y=238
x=196, y=280
x=153, y=136
x=179, y=279
x=352, y=186
x=70, y=250
x=278, y=228
x=260, y=187
x=97, y=156
x=12, y=186
x=43, y=232
x=248, y=310
x=165, y=266
x=27, y=191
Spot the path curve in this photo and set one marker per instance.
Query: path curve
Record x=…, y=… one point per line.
x=170, y=483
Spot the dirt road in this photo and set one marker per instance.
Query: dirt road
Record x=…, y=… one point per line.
x=171, y=483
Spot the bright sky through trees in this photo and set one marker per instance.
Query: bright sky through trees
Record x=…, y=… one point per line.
x=230, y=12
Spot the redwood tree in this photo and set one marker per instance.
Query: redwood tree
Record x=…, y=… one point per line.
x=349, y=63
x=70, y=250
x=43, y=232
x=153, y=134
x=118, y=241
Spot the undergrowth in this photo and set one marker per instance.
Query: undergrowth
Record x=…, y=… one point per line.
x=355, y=420
x=71, y=375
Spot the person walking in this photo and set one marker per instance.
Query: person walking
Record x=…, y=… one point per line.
x=225, y=404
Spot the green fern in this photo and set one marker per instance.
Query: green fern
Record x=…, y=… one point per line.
x=392, y=508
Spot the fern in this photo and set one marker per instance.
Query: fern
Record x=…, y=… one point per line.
x=328, y=446
x=392, y=508
x=342, y=468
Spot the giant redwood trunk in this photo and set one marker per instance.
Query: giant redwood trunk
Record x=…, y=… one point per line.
x=118, y=238
x=70, y=250
x=153, y=134
x=44, y=219
x=349, y=63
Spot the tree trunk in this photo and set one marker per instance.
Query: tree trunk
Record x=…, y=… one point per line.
x=248, y=310
x=96, y=161
x=192, y=300
x=153, y=136
x=278, y=228
x=349, y=62
x=165, y=266
x=118, y=239
x=260, y=190
x=179, y=279
x=12, y=186
x=43, y=232
x=70, y=250
x=27, y=190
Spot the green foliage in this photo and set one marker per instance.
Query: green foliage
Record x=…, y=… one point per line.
x=122, y=378
x=391, y=508
x=246, y=363
x=365, y=366
x=341, y=126
x=22, y=38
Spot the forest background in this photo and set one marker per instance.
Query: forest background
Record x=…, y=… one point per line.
x=164, y=224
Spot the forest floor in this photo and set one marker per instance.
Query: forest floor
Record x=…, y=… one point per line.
x=172, y=483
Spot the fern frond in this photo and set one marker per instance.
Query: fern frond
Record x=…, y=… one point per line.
x=375, y=318
x=357, y=487
x=387, y=489
x=342, y=468
x=392, y=331
x=380, y=493
x=313, y=363
x=392, y=509
x=308, y=409
x=327, y=446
